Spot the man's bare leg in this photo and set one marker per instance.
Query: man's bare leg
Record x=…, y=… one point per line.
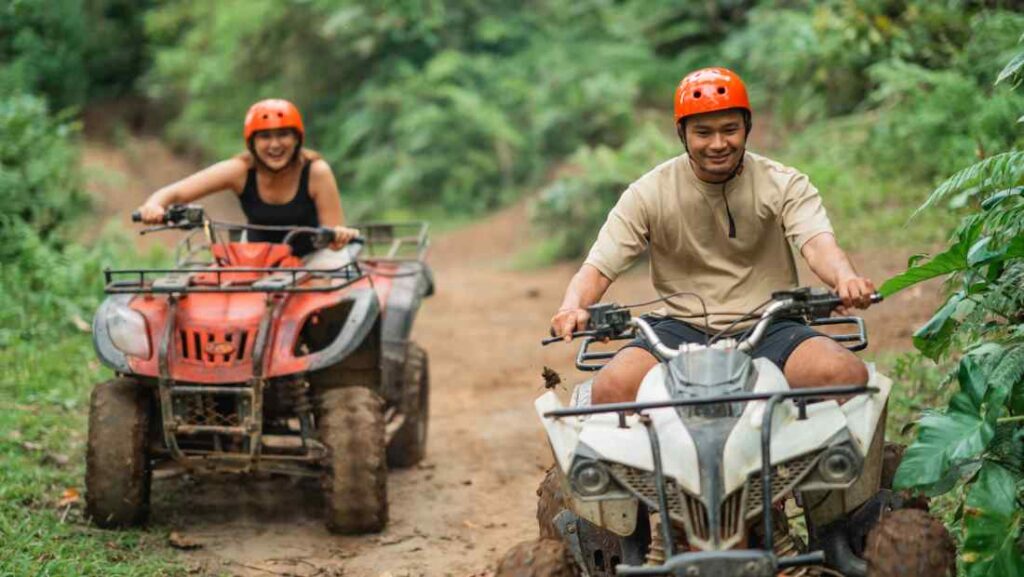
x=822, y=362
x=816, y=362
x=620, y=379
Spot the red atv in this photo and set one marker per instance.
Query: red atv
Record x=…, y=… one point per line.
x=245, y=358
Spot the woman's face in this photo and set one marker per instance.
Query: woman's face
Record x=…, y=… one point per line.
x=276, y=147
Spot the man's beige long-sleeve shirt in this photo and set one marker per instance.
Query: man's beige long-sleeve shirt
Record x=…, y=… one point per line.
x=684, y=222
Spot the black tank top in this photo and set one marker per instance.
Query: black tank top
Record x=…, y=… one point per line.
x=299, y=211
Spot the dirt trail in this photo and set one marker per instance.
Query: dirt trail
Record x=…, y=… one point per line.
x=474, y=496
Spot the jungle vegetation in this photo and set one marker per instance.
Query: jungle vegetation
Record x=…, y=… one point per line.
x=452, y=108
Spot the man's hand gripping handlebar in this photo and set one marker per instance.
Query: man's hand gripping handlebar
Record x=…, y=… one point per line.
x=610, y=321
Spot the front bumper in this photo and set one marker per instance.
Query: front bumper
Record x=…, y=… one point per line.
x=743, y=563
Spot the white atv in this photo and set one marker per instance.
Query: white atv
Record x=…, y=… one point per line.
x=703, y=473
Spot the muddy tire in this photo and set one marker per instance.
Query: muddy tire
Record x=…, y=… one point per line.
x=355, y=472
x=117, y=467
x=910, y=543
x=550, y=502
x=539, y=558
x=409, y=445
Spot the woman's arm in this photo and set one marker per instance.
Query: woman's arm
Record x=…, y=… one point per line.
x=323, y=188
x=225, y=175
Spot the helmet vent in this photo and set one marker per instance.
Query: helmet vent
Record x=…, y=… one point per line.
x=721, y=90
x=696, y=93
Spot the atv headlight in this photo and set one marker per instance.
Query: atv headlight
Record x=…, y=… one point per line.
x=839, y=464
x=590, y=478
x=128, y=332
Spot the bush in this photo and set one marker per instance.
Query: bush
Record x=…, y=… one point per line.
x=456, y=104
x=40, y=185
x=572, y=209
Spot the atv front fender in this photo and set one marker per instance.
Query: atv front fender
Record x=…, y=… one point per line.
x=358, y=324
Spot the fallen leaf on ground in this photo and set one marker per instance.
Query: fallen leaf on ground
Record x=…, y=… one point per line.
x=70, y=496
x=80, y=324
x=179, y=541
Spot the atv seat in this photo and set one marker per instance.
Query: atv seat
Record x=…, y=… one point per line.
x=247, y=255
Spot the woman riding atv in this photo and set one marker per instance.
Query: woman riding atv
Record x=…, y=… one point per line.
x=277, y=181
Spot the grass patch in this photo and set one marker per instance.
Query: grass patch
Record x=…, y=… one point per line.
x=47, y=370
x=44, y=390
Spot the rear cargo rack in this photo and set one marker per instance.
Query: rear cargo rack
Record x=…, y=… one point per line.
x=407, y=241
x=278, y=280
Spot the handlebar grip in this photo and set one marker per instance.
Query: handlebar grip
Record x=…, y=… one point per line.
x=550, y=340
x=136, y=216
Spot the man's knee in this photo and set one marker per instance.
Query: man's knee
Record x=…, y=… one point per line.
x=613, y=386
x=846, y=369
x=822, y=362
x=619, y=380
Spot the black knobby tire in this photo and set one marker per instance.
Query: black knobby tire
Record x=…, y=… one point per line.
x=550, y=502
x=117, y=467
x=355, y=474
x=910, y=543
x=538, y=558
x=409, y=445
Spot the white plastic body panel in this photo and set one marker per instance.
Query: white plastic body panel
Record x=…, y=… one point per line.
x=742, y=454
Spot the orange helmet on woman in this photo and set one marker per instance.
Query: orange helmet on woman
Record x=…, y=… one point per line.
x=273, y=113
x=710, y=90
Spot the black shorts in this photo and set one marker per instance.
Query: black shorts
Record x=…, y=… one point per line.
x=778, y=342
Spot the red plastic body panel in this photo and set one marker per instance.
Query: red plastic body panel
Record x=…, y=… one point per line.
x=215, y=333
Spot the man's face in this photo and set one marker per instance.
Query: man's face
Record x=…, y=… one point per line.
x=716, y=141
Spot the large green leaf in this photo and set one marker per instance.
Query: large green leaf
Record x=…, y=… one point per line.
x=934, y=337
x=944, y=441
x=992, y=523
x=950, y=261
x=983, y=252
x=1013, y=68
x=972, y=374
x=993, y=174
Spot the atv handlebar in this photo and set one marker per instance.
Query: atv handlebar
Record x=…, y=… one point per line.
x=190, y=216
x=609, y=321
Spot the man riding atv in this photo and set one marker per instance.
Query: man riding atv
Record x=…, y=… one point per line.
x=718, y=222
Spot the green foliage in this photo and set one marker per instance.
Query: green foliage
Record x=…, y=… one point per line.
x=462, y=105
x=978, y=440
x=993, y=524
x=592, y=182
x=41, y=49
x=39, y=181
x=70, y=50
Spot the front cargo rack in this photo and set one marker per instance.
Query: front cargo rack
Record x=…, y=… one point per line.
x=407, y=241
x=278, y=280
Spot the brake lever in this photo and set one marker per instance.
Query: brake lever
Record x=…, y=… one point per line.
x=175, y=226
x=575, y=335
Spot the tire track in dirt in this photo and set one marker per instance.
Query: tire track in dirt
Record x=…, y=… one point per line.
x=473, y=497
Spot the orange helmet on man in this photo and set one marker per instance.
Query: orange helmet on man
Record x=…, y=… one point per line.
x=710, y=90
x=270, y=114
